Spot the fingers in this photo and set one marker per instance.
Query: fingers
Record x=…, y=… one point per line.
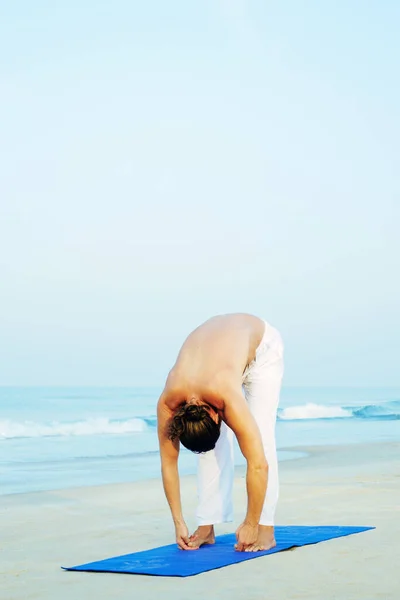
x=192, y=541
x=240, y=547
x=183, y=544
x=193, y=544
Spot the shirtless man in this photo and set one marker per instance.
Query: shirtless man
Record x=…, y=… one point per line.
x=202, y=406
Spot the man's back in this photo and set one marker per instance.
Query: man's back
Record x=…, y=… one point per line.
x=221, y=347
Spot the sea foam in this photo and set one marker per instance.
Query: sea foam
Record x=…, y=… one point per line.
x=94, y=426
x=313, y=411
x=383, y=411
x=10, y=429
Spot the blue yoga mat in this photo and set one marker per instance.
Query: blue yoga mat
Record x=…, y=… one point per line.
x=169, y=561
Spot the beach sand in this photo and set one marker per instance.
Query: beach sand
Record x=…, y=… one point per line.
x=348, y=485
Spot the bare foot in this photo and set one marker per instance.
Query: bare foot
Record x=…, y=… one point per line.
x=265, y=539
x=203, y=535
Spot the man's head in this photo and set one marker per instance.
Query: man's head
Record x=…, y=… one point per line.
x=197, y=426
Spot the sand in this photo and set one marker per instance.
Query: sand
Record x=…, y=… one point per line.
x=349, y=485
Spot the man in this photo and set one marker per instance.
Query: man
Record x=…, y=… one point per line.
x=202, y=407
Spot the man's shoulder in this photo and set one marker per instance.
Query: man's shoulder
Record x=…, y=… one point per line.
x=174, y=390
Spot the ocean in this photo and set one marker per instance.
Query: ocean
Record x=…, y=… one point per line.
x=62, y=437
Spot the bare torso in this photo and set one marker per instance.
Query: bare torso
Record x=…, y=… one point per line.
x=216, y=352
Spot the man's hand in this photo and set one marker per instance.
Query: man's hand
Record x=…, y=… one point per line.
x=246, y=535
x=182, y=537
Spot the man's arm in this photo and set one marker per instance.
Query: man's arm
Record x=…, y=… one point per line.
x=239, y=418
x=169, y=452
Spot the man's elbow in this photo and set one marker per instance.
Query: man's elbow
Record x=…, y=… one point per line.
x=168, y=464
x=259, y=466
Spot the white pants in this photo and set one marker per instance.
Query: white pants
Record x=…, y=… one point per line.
x=261, y=386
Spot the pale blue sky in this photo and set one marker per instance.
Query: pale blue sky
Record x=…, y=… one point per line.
x=162, y=162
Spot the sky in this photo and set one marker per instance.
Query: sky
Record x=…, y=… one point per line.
x=163, y=162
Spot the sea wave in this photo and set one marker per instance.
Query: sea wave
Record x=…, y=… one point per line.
x=313, y=411
x=383, y=411
x=94, y=426
x=387, y=410
x=102, y=426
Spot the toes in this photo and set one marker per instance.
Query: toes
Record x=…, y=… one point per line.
x=252, y=548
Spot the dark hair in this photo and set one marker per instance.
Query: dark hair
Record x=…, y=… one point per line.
x=194, y=427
